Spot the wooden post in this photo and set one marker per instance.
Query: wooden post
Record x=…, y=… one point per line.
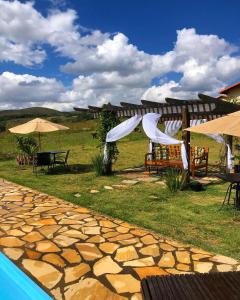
x=229, y=141
x=186, y=138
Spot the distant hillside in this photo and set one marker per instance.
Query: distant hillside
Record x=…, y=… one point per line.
x=29, y=112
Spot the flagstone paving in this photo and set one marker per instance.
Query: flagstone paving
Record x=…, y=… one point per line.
x=74, y=253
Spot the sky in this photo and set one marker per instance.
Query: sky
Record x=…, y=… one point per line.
x=66, y=53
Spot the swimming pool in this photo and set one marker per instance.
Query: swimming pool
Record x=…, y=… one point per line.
x=16, y=285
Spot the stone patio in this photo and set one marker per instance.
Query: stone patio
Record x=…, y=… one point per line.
x=74, y=253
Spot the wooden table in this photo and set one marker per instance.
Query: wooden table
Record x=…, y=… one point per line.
x=212, y=286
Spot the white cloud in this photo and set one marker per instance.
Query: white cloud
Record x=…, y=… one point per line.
x=27, y=90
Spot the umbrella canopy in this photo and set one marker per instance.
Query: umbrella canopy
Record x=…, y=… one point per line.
x=229, y=125
x=37, y=125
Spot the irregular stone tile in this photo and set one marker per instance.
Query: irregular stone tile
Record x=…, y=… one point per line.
x=27, y=228
x=32, y=254
x=120, y=186
x=88, y=289
x=109, y=247
x=69, y=222
x=176, y=272
x=110, y=234
x=149, y=271
x=130, y=182
x=124, y=283
x=33, y=236
x=121, y=237
x=96, y=239
x=42, y=222
x=122, y=229
x=94, y=191
x=202, y=267
x=15, y=232
x=75, y=234
x=54, y=259
x=11, y=241
x=81, y=210
x=91, y=224
x=107, y=223
x=199, y=256
x=137, y=296
x=74, y=273
x=183, y=267
x=106, y=265
x=167, y=260
x=142, y=262
x=57, y=294
x=148, y=239
x=224, y=268
x=91, y=230
x=89, y=251
x=47, y=246
x=126, y=253
x=64, y=241
x=43, y=272
x=139, y=245
x=49, y=230
x=13, y=253
x=166, y=247
x=183, y=257
x=71, y=255
x=224, y=260
x=199, y=251
x=107, y=187
x=40, y=209
x=152, y=250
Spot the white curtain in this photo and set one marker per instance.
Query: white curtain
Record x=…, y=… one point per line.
x=172, y=127
x=149, y=124
x=120, y=131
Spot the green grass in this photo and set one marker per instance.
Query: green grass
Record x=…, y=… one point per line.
x=191, y=217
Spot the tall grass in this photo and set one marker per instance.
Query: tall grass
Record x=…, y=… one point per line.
x=174, y=179
x=99, y=165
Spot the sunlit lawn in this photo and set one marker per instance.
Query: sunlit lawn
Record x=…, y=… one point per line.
x=188, y=216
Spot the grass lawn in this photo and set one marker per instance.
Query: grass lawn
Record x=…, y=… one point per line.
x=192, y=217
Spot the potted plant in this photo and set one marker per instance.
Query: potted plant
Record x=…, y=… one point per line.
x=237, y=160
x=27, y=147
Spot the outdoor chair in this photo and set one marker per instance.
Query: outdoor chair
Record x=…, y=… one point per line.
x=42, y=159
x=62, y=160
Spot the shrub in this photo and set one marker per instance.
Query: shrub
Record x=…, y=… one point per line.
x=27, y=145
x=174, y=179
x=99, y=165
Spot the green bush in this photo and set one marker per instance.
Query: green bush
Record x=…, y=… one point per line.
x=174, y=179
x=99, y=165
x=27, y=145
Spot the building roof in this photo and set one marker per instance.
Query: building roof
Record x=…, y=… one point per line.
x=226, y=89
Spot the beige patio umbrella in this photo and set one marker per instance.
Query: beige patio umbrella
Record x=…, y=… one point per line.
x=37, y=125
x=229, y=125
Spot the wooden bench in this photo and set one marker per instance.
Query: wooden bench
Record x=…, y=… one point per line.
x=164, y=156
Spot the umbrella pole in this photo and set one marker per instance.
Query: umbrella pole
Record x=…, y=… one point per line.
x=39, y=141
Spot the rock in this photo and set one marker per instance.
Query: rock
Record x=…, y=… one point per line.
x=54, y=259
x=33, y=236
x=153, y=197
x=137, y=296
x=142, y=262
x=89, y=251
x=130, y=182
x=124, y=283
x=151, y=250
x=120, y=186
x=43, y=222
x=166, y=247
x=126, y=254
x=121, y=237
x=167, y=260
x=47, y=246
x=202, y=267
x=71, y=256
x=91, y=230
x=96, y=239
x=15, y=232
x=148, y=239
x=13, y=253
x=57, y=294
x=11, y=241
x=64, y=241
x=27, y=228
x=129, y=241
x=183, y=257
x=224, y=268
x=106, y=265
x=107, y=187
x=199, y=256
x=108, y=247
x=139, y=232
x=224, y=260
x=108, y=224
x=183, y=267
x=77, y=195
x=32, y=254
x=122, y=229
x=177, y=272
x=75, y=234
x=43, y=272
x=94, y=191
x=147, y=179
x=149, y=271
x=74, y=273
x=90, y=289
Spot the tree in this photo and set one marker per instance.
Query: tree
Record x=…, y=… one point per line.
x=108, y=119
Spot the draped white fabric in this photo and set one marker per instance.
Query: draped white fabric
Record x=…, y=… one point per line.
x=120, y=131
x=172, y=127
x=149, y=124
x=229, y=157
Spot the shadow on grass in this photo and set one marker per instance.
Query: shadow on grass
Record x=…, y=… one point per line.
x=71, y=169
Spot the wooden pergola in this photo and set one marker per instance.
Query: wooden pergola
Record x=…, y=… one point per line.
x=205, y=107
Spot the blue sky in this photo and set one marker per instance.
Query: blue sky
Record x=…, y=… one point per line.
x=65, y=53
